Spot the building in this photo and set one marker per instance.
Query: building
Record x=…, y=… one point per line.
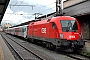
x=71, y=2
x=7, y=25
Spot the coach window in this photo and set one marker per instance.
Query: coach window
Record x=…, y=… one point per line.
x=54, y=25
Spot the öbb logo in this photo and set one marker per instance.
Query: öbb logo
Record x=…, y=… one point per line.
x=71, y=36
x=43, y=30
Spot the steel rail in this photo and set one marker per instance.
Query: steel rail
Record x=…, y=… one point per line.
x=13, y=48
x=27, y=49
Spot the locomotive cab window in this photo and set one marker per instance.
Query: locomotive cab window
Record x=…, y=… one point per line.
x=69, y=25
x=54, y=25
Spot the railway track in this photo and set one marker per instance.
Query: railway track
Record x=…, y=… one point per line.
x=75, y=55
x=21, y=51
x=78, y=56
x=72, y=56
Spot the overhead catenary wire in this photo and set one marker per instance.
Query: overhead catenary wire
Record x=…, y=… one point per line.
x=47, y=9
x=47, y=5
x=15, y=4
x=31, y=14
x=16, y=8
x=44, y=10
x=27, y=5
x=18, y=14
x=23, y=5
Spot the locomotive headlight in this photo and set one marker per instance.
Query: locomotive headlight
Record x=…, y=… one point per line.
x=80, y=35
x=61, y=36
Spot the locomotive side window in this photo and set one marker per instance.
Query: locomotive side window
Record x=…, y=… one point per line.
x=54, y=25
x=69, y=25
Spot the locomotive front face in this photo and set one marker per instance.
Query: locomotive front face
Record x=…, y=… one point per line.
x=70, y=33
x=70, y=30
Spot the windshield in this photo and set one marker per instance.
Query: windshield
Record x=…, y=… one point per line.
x=69, y=25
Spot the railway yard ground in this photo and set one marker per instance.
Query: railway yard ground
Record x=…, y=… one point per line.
x=86, y=49
x=12, y=48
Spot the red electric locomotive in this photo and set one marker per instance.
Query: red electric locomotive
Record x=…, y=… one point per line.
x=57, y=32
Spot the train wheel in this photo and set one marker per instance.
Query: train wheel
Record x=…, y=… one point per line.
x=50, y=46
x=47, y=45
x=32, y=40
x=35, y=41
x=44, y=44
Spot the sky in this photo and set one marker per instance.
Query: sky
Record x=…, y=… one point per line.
x=18, y=14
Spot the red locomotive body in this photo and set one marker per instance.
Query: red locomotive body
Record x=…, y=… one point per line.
x=61, y=31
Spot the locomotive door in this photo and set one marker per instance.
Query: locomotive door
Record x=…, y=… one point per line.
x=53, y=30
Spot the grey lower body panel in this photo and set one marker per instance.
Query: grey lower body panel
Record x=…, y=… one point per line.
x=54, y=41
x=59, y=43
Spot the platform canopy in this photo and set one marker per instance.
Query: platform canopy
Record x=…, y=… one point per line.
x=3, y=7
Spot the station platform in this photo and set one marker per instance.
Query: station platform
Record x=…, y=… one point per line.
x=87, y=47
x=5, y=53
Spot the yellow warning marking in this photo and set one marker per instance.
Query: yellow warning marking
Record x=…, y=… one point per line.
x=1, y=54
